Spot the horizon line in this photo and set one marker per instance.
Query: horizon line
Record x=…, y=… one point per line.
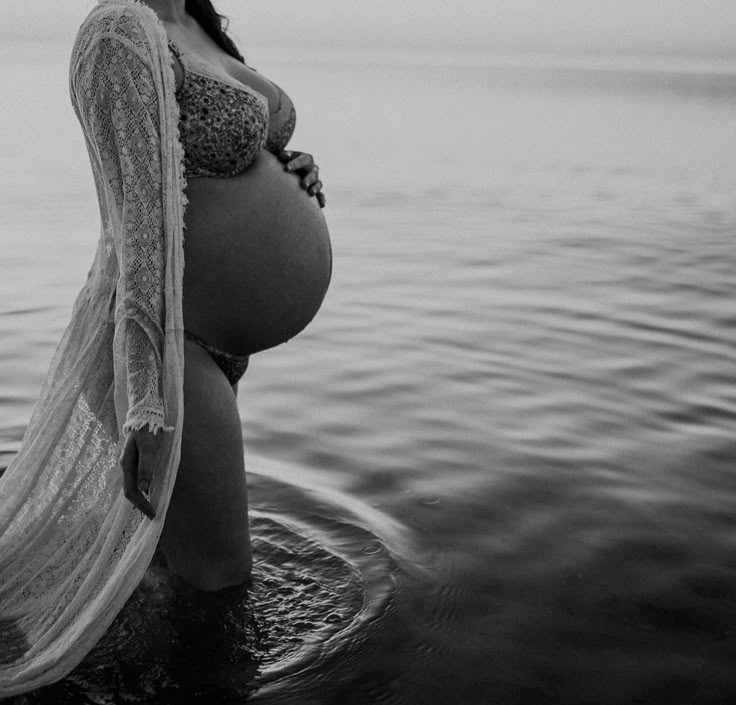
x=582, y=60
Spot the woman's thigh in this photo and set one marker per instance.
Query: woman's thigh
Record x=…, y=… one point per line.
x=208, y=514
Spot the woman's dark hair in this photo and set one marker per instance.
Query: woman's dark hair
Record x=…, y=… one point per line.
x=214, y=24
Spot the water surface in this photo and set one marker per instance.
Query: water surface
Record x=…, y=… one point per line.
x=502, y=455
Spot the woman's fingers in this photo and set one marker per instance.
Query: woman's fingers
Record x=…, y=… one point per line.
x=301, y=161
x=137, y=474
x=145, y=474
x=310, y=179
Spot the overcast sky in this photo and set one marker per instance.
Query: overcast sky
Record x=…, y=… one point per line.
x=676, y=27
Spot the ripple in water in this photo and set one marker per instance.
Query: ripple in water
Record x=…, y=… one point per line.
x=321, y=578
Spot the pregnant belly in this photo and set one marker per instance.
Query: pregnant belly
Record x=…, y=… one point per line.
x=257, y=258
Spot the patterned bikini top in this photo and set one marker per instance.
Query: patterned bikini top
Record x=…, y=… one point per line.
x=224, y=124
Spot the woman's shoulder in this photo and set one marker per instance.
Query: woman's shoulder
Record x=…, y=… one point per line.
x=129, y=21
x=126, y=28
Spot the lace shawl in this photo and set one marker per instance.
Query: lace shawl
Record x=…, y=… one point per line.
x=72, y=548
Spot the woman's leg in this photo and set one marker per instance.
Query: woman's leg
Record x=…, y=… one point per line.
x=205, y=540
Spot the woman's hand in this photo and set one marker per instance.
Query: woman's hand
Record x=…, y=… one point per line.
x=302, y=164
x=137, y=461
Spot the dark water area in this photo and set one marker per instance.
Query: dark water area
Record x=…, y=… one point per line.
x=498, y=468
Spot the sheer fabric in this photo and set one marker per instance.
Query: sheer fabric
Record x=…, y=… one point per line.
x=72, y=548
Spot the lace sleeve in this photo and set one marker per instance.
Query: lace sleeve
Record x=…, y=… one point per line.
x=120, y=113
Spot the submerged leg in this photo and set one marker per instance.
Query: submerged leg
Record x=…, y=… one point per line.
x=206, y=540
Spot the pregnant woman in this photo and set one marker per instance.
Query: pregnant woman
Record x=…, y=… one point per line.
x=136, y=437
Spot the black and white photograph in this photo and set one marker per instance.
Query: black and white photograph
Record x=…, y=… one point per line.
x=368, y=353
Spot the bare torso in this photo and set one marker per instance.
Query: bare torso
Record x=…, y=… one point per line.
x=256, y=245
x=257, y=254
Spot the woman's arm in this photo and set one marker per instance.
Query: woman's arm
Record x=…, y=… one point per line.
x=116, y=98
x=118, y=106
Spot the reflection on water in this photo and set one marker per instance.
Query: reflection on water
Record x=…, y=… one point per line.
x=506, y=444
x=321, y=582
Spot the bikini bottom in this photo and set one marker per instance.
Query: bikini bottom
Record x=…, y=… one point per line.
x=232, y=366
